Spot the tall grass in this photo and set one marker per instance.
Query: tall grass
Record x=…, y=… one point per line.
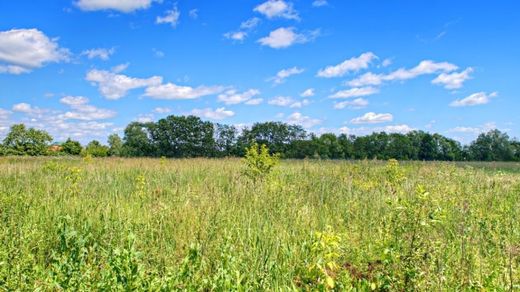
x=200, y=224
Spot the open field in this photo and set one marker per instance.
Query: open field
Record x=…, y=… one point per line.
x=199, y=224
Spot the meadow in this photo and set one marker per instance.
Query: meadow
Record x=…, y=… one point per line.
x=203, y=225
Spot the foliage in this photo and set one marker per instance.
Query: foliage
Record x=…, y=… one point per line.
x=259, y=162
x=115, y=144
x=71, y=147
x=95, y=149
x=23, y=141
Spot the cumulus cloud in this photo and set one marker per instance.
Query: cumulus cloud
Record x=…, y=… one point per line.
x=81, y=110
x=277, y=9
x=170, y=17
x=114, y=86
x=478, y=98
x=307, y=93
x=355, y=92
x=27, y=109
x=124, y=6
x=254, y=101
x=297, y=118
x=454, y=80
x=245, y=27
x=285, y=37
x=473, y=130
x=372, y=118
x=423, y=68
x=173, y=91
x=280, y=77
x=162, y=110
x=357, y=103
x=351, y=65
x=236, y=35
x=208, y=113
x=22, y=50
x=101, y=53
x=288, y=101
x=232, y=96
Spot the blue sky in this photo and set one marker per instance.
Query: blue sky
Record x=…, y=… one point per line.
x=86, y=68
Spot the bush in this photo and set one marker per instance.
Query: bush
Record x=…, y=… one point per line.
x=259, y=163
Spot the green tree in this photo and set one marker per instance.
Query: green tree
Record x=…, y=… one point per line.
x=71, y=147
x=23, y=141
x=138, y=140
x=491, y=146
x=116, y=145
x=276, y=136
x=225, y=140
x=95, y=149
x=183, y=136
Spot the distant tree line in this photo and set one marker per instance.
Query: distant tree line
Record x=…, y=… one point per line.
x=189, y=136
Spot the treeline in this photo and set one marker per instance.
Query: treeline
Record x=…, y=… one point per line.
x=189, y=136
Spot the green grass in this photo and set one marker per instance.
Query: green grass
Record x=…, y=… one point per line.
x=200, y=224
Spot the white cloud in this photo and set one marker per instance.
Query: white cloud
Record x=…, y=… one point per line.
x=171, y=16
x=277, y=8
x=307, y=93
x=232, y=96
x=27, y=109
x=4, y=114
x=208, y=113
x=288, y=102
x=22, y=50
x=284, y=37
x=319, y=3
x=145, y=118
x=120, y=68
x=83, y=111
x=101, y=53
x=297, y=118
x=355, y=92
x=372, y=118
x=285, y=73
x=401, y=129
x=250, y=23
x=423, y=68
x=254, y=101
x=357, y=103
x=473, y=130
x=454, y=80
x=115, y=86
x=194, y=13
x=478, y=98
x=386, y=62
x=245, y=26
x=236, y=35
x=351, y=65
x=125, y=6
x=173, y=91
x=162, y=110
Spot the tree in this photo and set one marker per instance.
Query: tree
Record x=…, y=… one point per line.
x=95, y=149
x=116, y=145
x=225, y=140
x=276, y=136
x=491, y=146
x=138, y=141
x=71, y=147
x=181, y=136
x=23, y=141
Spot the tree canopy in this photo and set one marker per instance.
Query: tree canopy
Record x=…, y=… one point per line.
x=189, y=136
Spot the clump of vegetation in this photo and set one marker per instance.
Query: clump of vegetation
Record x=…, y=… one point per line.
x=259, y=162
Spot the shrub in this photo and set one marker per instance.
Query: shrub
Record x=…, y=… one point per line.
x=259, y=163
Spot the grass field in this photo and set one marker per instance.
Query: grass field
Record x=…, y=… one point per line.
x=200, y=224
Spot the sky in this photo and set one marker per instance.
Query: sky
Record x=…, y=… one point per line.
x=84, y=69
